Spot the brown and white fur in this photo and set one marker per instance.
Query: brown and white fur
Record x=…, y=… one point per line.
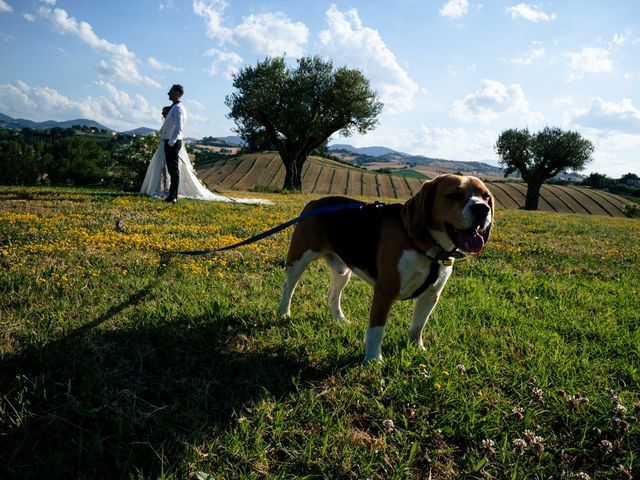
x=393, y=248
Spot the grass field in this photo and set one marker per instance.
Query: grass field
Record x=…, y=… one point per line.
x=119, y=361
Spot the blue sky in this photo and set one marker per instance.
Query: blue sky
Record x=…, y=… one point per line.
x=452, y=74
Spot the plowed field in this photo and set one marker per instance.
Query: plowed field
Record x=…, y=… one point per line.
x=325, y=177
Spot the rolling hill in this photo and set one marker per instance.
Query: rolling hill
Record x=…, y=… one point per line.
x=326, y=177
x=139, y=131
x=8, y=122
x=369, y=151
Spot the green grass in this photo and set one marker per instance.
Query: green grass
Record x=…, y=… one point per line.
x=631, y=198
x=117, y=361
x=410, y=173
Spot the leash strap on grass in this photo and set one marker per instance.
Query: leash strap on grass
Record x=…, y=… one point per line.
x=282, y=226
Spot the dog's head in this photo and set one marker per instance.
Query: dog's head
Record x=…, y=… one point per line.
x=455, y=211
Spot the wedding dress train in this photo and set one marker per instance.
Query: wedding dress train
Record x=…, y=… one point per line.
x=156, y=181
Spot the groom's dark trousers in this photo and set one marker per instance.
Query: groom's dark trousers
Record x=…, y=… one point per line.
x=171, y=157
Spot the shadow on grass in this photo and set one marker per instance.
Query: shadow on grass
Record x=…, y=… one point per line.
x=107, y=404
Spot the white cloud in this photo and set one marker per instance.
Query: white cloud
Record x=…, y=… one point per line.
x=122, y=62
x=158, y=65
x=454, y=8
x=620, y=39
x=434, y=142
x=14, y=100
x=348, y=42
x=455, y=144
x=536, y=53
x=224, y=63
x=272, y=34
x=491, y=101
x=612, y=164
x=589, y=60
x=133, y=107
x=529, y=12
x=562, y=101
x=64, y=24
x=614, y=129
x=614, y=153
x=211, y=11
x=20, y=99
x=29, y=17
x=6, y=38
x=196, y=104
x=116, y=109
x=5, y=7
x=605, y=116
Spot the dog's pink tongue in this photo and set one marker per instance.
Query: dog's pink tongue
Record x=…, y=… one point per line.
x=471, y=241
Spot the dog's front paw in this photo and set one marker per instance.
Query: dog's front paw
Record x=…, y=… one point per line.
x=373, y=344
x=373, y=360
x=417, y=343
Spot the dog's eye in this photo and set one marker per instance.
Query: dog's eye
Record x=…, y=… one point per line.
x=455, y=196
x=486, y=196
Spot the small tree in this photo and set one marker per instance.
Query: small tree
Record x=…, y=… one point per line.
x=79, y=160
x=598, y=180
x=541, y=156
x=630, y=179
x=132, y=160
x=21, y=164
x=297, y=109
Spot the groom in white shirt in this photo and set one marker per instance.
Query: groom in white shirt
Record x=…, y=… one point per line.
x=174, y=124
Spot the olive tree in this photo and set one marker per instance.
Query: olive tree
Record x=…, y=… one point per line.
x=541, y=156
x=296, y=109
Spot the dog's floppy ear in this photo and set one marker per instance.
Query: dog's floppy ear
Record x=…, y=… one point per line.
x=416, y=211
x=487, y=232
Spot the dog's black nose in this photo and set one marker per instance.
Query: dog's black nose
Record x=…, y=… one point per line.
x=480, y=210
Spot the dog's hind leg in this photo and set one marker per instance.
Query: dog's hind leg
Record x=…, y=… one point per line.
x=340, y=275
x=294, y=271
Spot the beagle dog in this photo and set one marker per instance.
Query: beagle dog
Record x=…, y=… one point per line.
x=404, y=251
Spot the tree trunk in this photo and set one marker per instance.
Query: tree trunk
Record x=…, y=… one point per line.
x=533, y=195
x=293, y=171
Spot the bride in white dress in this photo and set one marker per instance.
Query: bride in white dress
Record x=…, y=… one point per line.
x=156, y=180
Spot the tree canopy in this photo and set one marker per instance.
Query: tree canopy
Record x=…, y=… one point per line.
x=73, y=156
x=296, y=109
x=541, y=156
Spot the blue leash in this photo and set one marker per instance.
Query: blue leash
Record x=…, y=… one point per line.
x=282, y=226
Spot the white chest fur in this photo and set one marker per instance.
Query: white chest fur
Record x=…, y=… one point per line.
x=414, y=268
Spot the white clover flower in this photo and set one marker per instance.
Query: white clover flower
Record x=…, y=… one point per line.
x=576, y=400
x=388, y=425
x=538, y=395
x=489, y=445
x=534, y=440
x=625, y=471
x=518, y=412
x=520, y=445
x=621, y=409
x=606, y=446
x=538, y=445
